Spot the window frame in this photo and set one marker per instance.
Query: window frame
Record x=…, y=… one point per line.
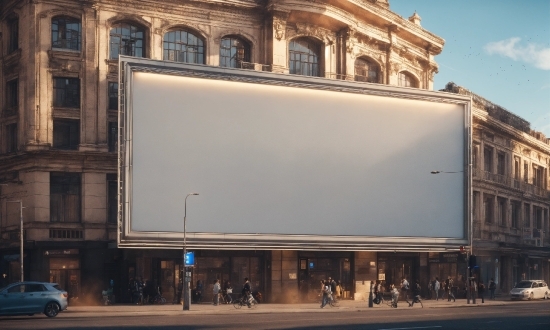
x=66, y=95
x=63, y=185
x=66, y=43
x=406, y=79
x=371, y=68
x=112, y=198
x=13, y=35
x=127, y=41
x=62, y=127
x=12, y=97
x=187, y=48
x=313, y=66
x=234, y=58
x=112, y=95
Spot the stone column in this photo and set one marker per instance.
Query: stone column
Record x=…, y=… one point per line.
x=276, y=42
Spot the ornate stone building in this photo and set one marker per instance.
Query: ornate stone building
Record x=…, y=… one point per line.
x=58, y=129
x=511, y=199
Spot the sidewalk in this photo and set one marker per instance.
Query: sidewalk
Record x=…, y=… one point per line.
x=348, y=305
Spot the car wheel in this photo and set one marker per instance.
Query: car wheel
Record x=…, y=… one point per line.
x=52, y=309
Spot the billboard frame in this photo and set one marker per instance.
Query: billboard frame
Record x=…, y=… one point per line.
x=138, y=239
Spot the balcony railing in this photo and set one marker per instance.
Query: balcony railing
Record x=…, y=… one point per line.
x=510, y=182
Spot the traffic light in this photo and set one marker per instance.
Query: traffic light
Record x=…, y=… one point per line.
x=472, y=262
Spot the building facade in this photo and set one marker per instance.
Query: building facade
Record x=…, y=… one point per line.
x=58, y=129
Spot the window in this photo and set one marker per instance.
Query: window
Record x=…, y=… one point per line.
x=475, y=205
x=183, y=46
x=12, y=97
x=233, y=51
x=366, y=70
x=525, y=172
x=113, y=136
x=112, y=198
x=537, y=175
x=488, y=208
x=13, y=37
x=502, y=211
x=407, y=80
x=516, y=209
x=488, y=159
x=501, y=163
x=527, y=216
x=66, y=134
x=304, y=56
x=65, y=197
x=127, y=39
x=66, y=33
x=537, y=217
x=113, y=96
x=475, y=155
x=517, y=168
x=11, y=137
x=66, y=92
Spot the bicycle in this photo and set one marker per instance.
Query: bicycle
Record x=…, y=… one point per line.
x=245, y=301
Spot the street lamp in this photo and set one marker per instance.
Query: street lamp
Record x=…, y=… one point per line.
x=186, y=289
x=20, y=234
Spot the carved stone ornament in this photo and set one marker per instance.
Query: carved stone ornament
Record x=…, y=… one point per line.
x=315, y=31
x=395, y=67
x=279, y=26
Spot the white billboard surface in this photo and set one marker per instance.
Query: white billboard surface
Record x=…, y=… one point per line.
x=285, y=163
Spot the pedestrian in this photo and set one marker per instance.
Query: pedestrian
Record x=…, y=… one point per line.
x=492, y=288
x=449, y=289
x=332, y=284
x=481, y=291
x=437, y=286
x=198, y=292
x=338, y=292
x=246, y=292
x=325, y=291
x=416, y=294
x=405, y=289
x=377, y=292
x=394, y=296
x=216, y=291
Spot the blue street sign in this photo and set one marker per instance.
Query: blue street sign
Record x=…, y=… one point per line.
x=190, y=259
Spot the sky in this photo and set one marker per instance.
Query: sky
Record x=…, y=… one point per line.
x=498, y=49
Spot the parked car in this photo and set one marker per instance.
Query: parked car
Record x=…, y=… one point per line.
x=530, y=289
x=29, y=298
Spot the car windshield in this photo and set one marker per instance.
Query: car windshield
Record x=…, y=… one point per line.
x=524, y=285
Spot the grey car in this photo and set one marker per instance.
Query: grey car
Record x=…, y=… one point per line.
x=29, y=298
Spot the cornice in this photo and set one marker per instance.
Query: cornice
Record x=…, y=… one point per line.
x=483, y=116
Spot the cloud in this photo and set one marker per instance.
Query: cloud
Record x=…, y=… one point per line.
x=533, y=54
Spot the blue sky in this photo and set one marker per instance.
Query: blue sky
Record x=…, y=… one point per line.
x=498, y=49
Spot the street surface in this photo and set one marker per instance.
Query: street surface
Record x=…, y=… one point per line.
x=501, y=315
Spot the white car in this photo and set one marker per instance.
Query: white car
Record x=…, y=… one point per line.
x=530, y=289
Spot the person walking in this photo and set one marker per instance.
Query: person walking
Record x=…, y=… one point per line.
x=492, y=288
x=449, y=289
x=216, y=291
x=338, y=292
x=481, y=291
x=325, y=290
x=405, y=289
x=416, y=294
x=377, y=294
x=437, y=286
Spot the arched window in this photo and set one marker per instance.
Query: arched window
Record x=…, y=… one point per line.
x=183, y=46
x=367, y=70
x=127, y=39
x=233, y=51
x=304, y=56
x=66, y=33
x=407, y=80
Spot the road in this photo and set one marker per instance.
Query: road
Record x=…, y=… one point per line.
x=525, y=315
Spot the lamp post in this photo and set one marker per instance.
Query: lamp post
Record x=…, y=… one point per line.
x=186, y=284
x=20, y=234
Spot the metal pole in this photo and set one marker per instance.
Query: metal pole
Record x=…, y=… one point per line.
x=186, y=284
x=21, y=236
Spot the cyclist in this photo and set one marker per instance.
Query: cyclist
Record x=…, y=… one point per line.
x=246, y=291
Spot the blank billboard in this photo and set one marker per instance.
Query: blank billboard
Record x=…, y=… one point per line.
x=288, y=162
